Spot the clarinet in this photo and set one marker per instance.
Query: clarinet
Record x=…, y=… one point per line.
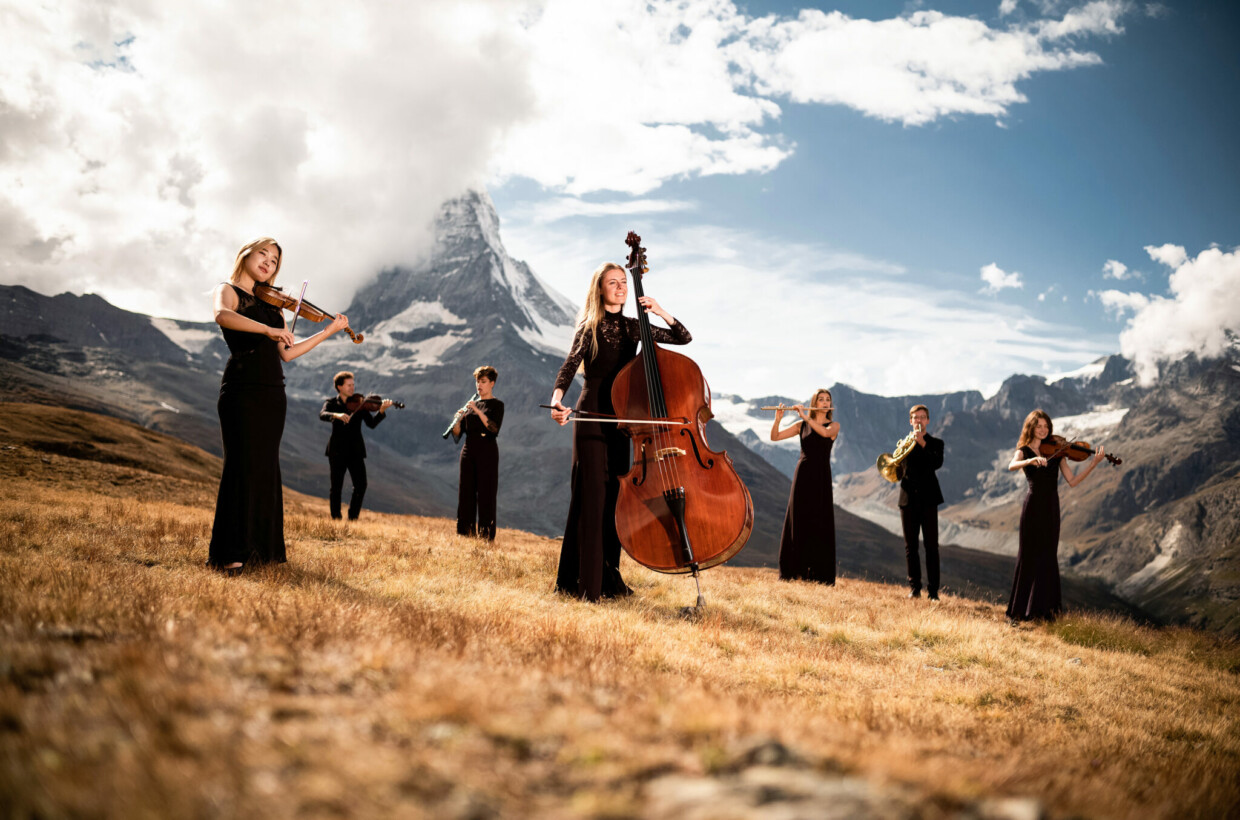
x=460, y=414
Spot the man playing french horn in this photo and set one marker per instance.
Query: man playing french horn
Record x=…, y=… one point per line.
x=920, y=498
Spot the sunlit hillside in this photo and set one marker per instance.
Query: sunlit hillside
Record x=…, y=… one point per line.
x=392, y=668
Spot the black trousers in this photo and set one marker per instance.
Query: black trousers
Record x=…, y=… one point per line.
x=475, y=505
x=356, y=467
x=923, y=518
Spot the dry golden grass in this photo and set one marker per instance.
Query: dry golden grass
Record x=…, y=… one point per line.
x=392, y=668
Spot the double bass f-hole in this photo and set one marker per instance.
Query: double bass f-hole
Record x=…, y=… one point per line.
x=708, y=463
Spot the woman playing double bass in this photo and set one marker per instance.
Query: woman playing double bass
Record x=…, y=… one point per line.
x=606, y=340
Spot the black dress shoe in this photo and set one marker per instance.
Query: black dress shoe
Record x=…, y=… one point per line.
x=933, y=596
x=916, y=593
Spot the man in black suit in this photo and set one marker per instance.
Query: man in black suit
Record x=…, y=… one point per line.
x=920, y=498
x=345, y=449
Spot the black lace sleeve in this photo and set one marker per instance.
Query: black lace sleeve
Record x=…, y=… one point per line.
x=569, y=369
x=677, y=334
x=495, y=415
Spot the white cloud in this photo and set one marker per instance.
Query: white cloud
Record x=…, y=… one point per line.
x=1006, y=7
x=1119, y=302
x=1170, y=255
x=142, y=143
x=631, y=94
x=996, y=279
x=1100, y=17
x=557, y=208
x=1200, y=316
x=1115, y=270
x=912, y=69
x=769, y=316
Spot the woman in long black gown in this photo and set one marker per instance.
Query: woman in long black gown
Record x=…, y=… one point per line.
x=249, y=510
x=807, y=546
x=1035, y=585
x=606, y=340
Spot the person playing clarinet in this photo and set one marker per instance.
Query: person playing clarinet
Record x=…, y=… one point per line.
x=479, y=422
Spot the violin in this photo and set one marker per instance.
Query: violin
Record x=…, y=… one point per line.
x=1053, y=446
x=372, y=403
x=273, y=295
x=682, y=507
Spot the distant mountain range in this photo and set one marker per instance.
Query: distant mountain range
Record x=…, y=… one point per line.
x=1157, y=534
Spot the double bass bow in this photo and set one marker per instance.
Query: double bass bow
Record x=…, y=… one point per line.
x=682, y=507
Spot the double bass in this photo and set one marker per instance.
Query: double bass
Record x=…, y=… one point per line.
x=682, y=507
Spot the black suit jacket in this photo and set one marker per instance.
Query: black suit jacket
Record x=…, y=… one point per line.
x=346, y=440
x=920, y=485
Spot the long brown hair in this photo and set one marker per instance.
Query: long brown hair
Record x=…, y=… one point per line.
x=249, y=248
x=814, y=400
x=1031, y=423
x=593, y=309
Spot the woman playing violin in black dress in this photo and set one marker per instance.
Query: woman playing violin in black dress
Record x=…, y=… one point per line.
x=1035, y=585
x=249, y=510
x=605, y=342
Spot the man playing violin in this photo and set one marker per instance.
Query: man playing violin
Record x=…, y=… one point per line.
x=920, y=497
x=345, y=449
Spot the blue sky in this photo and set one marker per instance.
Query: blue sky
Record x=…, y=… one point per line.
x=830, y=192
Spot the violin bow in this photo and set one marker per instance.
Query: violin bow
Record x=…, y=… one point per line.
x=297, y=308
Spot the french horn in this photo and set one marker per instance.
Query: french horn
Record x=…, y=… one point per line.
x=891, y=465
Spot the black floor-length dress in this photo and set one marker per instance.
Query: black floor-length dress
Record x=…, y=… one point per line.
x=479, y=471
x=590, y=554
x=249, y=510
x=1035, y=585
x=807, y=546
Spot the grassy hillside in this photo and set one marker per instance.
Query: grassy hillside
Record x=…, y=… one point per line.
x=393, y=668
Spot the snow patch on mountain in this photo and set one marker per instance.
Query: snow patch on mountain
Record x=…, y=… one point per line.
x=404, y=357
x=547, y=336
x=418, y=314
x=1090, y=371
x=192, y=340
x=1155, y=570
x=1099, y=421
x=735, y=414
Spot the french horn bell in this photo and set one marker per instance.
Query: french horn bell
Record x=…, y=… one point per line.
x=891, y=465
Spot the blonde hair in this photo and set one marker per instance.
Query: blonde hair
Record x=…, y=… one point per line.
x=814, y=400
x=1031, y=424
x=913, y=410
x=249, y=248
x=593, y=309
